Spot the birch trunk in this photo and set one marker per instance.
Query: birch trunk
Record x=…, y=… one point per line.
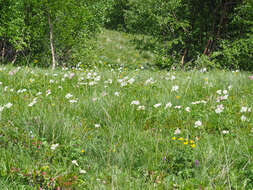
x=51, y=41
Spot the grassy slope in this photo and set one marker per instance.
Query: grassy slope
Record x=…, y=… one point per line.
x=132, y=149
x=117, y=48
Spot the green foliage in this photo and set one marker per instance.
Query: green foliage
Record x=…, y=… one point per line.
x=25, y=30
x=235, y=55
x=13, y=35
x=115, y=17
x=187, y=30
x=236, y=51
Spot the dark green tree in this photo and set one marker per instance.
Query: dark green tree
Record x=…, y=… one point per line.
x=217, y=33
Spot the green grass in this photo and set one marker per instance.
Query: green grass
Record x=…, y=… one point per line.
x=131, y=148
x=121, y=49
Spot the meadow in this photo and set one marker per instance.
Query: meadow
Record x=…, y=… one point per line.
x=125, y=129
x=121, y=125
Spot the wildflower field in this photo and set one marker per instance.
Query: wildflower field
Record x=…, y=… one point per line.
x=106, y=128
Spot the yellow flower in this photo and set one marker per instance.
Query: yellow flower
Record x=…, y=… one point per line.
x=177, y=97
x=193, y=145
x=191, y=141
x=181, y=139
x=186, y=142
x=174, y=138
x=45, y=167
x=82, y=150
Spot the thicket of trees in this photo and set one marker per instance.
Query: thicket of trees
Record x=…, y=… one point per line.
x=216, y=33
x=56, y=30
x=189, y=33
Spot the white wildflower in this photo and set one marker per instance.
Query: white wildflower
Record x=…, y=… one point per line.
x=82, y=171
x=149, y=81
x=225, y=131
x=177, y=131
x=73, y=101
x=8, y=105
x=48, y=92
x=123, y=84
x=198, y=102
x=141, y=108
x=168, y=105
x=219, y=108
x=109, y=81
x=1, y=108
x=198, y=124
x=71, y=75
x=33, y=102
x=174, y=88
x=157, y=105
x=187, y=109
x=203, y=101
x=54, y=146
x=21, y=91
x=135, y=102
x=218, y=92
x=75, y=162
x=97, y=125
x=131, y=81
x=244, y=109
x=172, y=77
x=224, y=97
x=97, y=78
x=203, y=70
x=243, y=118
x=68, y=96
x=92, y=83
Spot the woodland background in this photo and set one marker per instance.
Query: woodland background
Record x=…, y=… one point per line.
x=181, y=34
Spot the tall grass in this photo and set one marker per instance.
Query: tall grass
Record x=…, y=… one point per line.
x=103, y=140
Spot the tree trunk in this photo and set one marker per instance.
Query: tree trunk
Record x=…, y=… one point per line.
x=207, y=47
x=3, y=51
x=15, y=57
x=182, y=60
x=220, y=26
x=51, y=41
